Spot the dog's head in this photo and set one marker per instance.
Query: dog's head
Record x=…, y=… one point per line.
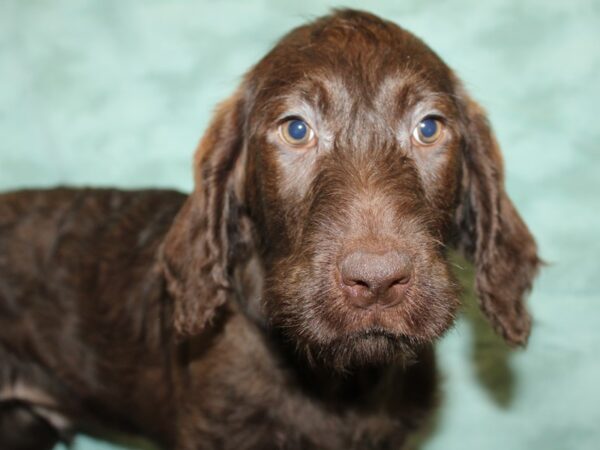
x=347, y=164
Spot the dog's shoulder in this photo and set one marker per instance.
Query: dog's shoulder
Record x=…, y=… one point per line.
x=49, y=234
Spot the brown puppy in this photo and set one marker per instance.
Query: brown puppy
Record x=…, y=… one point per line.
x=291, y=301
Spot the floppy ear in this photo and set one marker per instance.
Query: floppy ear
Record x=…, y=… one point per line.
x=493, y=235
x=210, y=231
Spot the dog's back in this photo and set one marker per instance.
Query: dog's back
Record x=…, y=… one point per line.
x=79, y=292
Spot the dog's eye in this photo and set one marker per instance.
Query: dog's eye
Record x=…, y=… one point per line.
x=297, y=133
x=428, y=131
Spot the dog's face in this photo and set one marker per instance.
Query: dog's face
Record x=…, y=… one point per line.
x=349, y=161
x=355, y=138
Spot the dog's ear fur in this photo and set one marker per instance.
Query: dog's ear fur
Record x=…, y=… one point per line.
x=492, y=234
x=210, y=231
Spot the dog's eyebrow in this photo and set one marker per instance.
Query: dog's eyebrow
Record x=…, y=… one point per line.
x=403, y=92
x=298, y=106
x=322, y=92
x=435, y=101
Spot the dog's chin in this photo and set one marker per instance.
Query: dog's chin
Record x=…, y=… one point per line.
x=368, y=348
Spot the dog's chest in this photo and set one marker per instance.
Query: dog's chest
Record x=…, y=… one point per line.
x=241, y=390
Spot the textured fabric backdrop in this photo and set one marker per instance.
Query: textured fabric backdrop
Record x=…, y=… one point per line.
x=116, y=92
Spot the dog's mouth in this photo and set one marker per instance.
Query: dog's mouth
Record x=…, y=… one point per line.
x=376, y=333
x=383, y=336
x=370, y=347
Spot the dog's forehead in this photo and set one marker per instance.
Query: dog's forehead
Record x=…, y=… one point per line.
x=337, y=62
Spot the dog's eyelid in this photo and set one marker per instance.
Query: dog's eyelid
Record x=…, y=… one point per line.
x=436, y=114
x=287, y=117
x=294, y=116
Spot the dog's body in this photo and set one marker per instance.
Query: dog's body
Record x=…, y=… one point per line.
x=82, y=341
x=78, y=333
x=292, y=300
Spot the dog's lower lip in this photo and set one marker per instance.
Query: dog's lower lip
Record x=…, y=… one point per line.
x=377, y=333
x=377, y=308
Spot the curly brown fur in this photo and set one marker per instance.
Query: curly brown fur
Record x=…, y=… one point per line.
x=292, y=301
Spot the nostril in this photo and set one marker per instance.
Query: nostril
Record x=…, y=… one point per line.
x=394, y=282
x=355, y=287
x=404, y=277
x=350, y=279
x=401, y=280
x=351, y=282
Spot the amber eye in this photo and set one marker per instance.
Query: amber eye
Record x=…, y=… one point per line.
x=428, y=131
x=297, y=133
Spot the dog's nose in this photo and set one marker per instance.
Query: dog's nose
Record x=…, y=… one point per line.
x=375, y=278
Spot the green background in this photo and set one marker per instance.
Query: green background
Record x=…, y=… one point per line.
x=118, y=93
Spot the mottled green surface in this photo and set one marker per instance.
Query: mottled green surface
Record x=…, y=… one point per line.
x=118, y=92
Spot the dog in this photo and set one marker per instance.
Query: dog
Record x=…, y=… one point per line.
x=293, y=299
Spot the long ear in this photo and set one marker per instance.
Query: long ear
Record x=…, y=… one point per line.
x=493, y=235
x=210, y=230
